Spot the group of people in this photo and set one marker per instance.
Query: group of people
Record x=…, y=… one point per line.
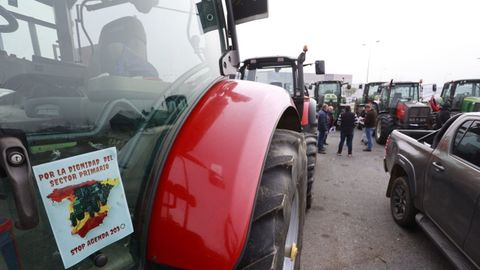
x=346, y=123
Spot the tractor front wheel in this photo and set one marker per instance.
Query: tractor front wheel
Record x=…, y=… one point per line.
x=276, y=232
x=385, y=124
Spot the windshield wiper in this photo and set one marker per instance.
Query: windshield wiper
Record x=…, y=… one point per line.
x=12, y=25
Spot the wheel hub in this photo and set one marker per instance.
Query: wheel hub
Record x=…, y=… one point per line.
x=399, y=201
x=293, y=252
x=291, y=248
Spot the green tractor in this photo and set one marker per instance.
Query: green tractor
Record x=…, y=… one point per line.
x=370, y=92
x=329, y=92
x=400, y=107
x=463, y=95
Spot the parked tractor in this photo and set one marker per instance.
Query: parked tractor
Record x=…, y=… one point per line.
x=399, y=107
x=329, y=92
x=214, y=170
x=463, y=95
x=369, y=95
x=287, y=73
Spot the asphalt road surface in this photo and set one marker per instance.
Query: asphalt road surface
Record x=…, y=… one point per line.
x=350, y=226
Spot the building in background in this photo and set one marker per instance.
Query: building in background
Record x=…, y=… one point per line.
x=312, y=77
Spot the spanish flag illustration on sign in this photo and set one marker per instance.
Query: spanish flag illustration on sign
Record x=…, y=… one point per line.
x=88, y=203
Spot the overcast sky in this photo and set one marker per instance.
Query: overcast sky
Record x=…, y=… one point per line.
x=418, y=39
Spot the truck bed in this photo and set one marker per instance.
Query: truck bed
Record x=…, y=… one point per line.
x=421, y=136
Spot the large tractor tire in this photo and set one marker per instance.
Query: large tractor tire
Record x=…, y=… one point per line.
x=385, y=125
x=276, y=232
x=311, y=140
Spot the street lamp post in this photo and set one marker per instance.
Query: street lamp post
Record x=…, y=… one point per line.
x=369, y=56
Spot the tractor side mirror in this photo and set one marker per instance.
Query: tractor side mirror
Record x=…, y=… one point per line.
x=434, y=87
x=249, y=10
x=360, y=86
x=320, y=67
x=349, y=86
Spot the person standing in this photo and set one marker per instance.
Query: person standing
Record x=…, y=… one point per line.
x=322, y=127
x=370, y=120
x=346, y=122
x=443, y=115
x=330, y=122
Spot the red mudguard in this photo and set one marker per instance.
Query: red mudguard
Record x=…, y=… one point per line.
x=202, y=209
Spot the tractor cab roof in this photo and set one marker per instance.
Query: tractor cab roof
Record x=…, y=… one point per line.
x=399, y=83
x=270, y=61
x=374, y=83
x=330, y=81
x=465, y=81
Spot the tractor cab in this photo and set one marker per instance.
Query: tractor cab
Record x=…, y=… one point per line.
x=280, y=71
x=369, y=95
x=329, y=92
x=96, y=88
x=285, y=72
x=462, y=95
x=399, y=107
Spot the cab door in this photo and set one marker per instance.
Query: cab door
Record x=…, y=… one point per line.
x=472, y=242
x=452, y=181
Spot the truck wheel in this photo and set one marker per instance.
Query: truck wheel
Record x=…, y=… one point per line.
x=276, y=232
x=311, y=140
x=401, y=203
x=384, y=128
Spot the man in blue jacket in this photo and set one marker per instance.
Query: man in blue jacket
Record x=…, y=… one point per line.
x=322, y=127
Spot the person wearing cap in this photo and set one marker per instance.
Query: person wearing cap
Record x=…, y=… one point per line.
x=370, y=120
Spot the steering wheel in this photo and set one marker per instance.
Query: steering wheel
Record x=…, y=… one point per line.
x=12, y=25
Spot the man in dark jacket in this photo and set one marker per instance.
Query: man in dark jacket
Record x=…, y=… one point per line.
x=346, y=121
x=370, y=120
x=322, y=127
x=330, y=122
x=443, y=115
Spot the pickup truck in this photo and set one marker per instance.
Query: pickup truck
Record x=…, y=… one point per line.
x=435, y=183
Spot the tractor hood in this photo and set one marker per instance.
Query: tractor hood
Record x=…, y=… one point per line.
x=415, y=104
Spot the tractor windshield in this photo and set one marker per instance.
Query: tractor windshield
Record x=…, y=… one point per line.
x=372, y=90
x=404, y=92
x=84, y=77
x=470, y=89
x=329, y=88
x=279, y=76
x=462, y=90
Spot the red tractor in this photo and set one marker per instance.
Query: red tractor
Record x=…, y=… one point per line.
x=213, y=170
x=399, y=107
x=287, y=72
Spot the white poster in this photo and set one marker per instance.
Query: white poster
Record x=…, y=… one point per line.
x=85, y=203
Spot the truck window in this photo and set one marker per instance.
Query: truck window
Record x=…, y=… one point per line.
x=467, y=142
